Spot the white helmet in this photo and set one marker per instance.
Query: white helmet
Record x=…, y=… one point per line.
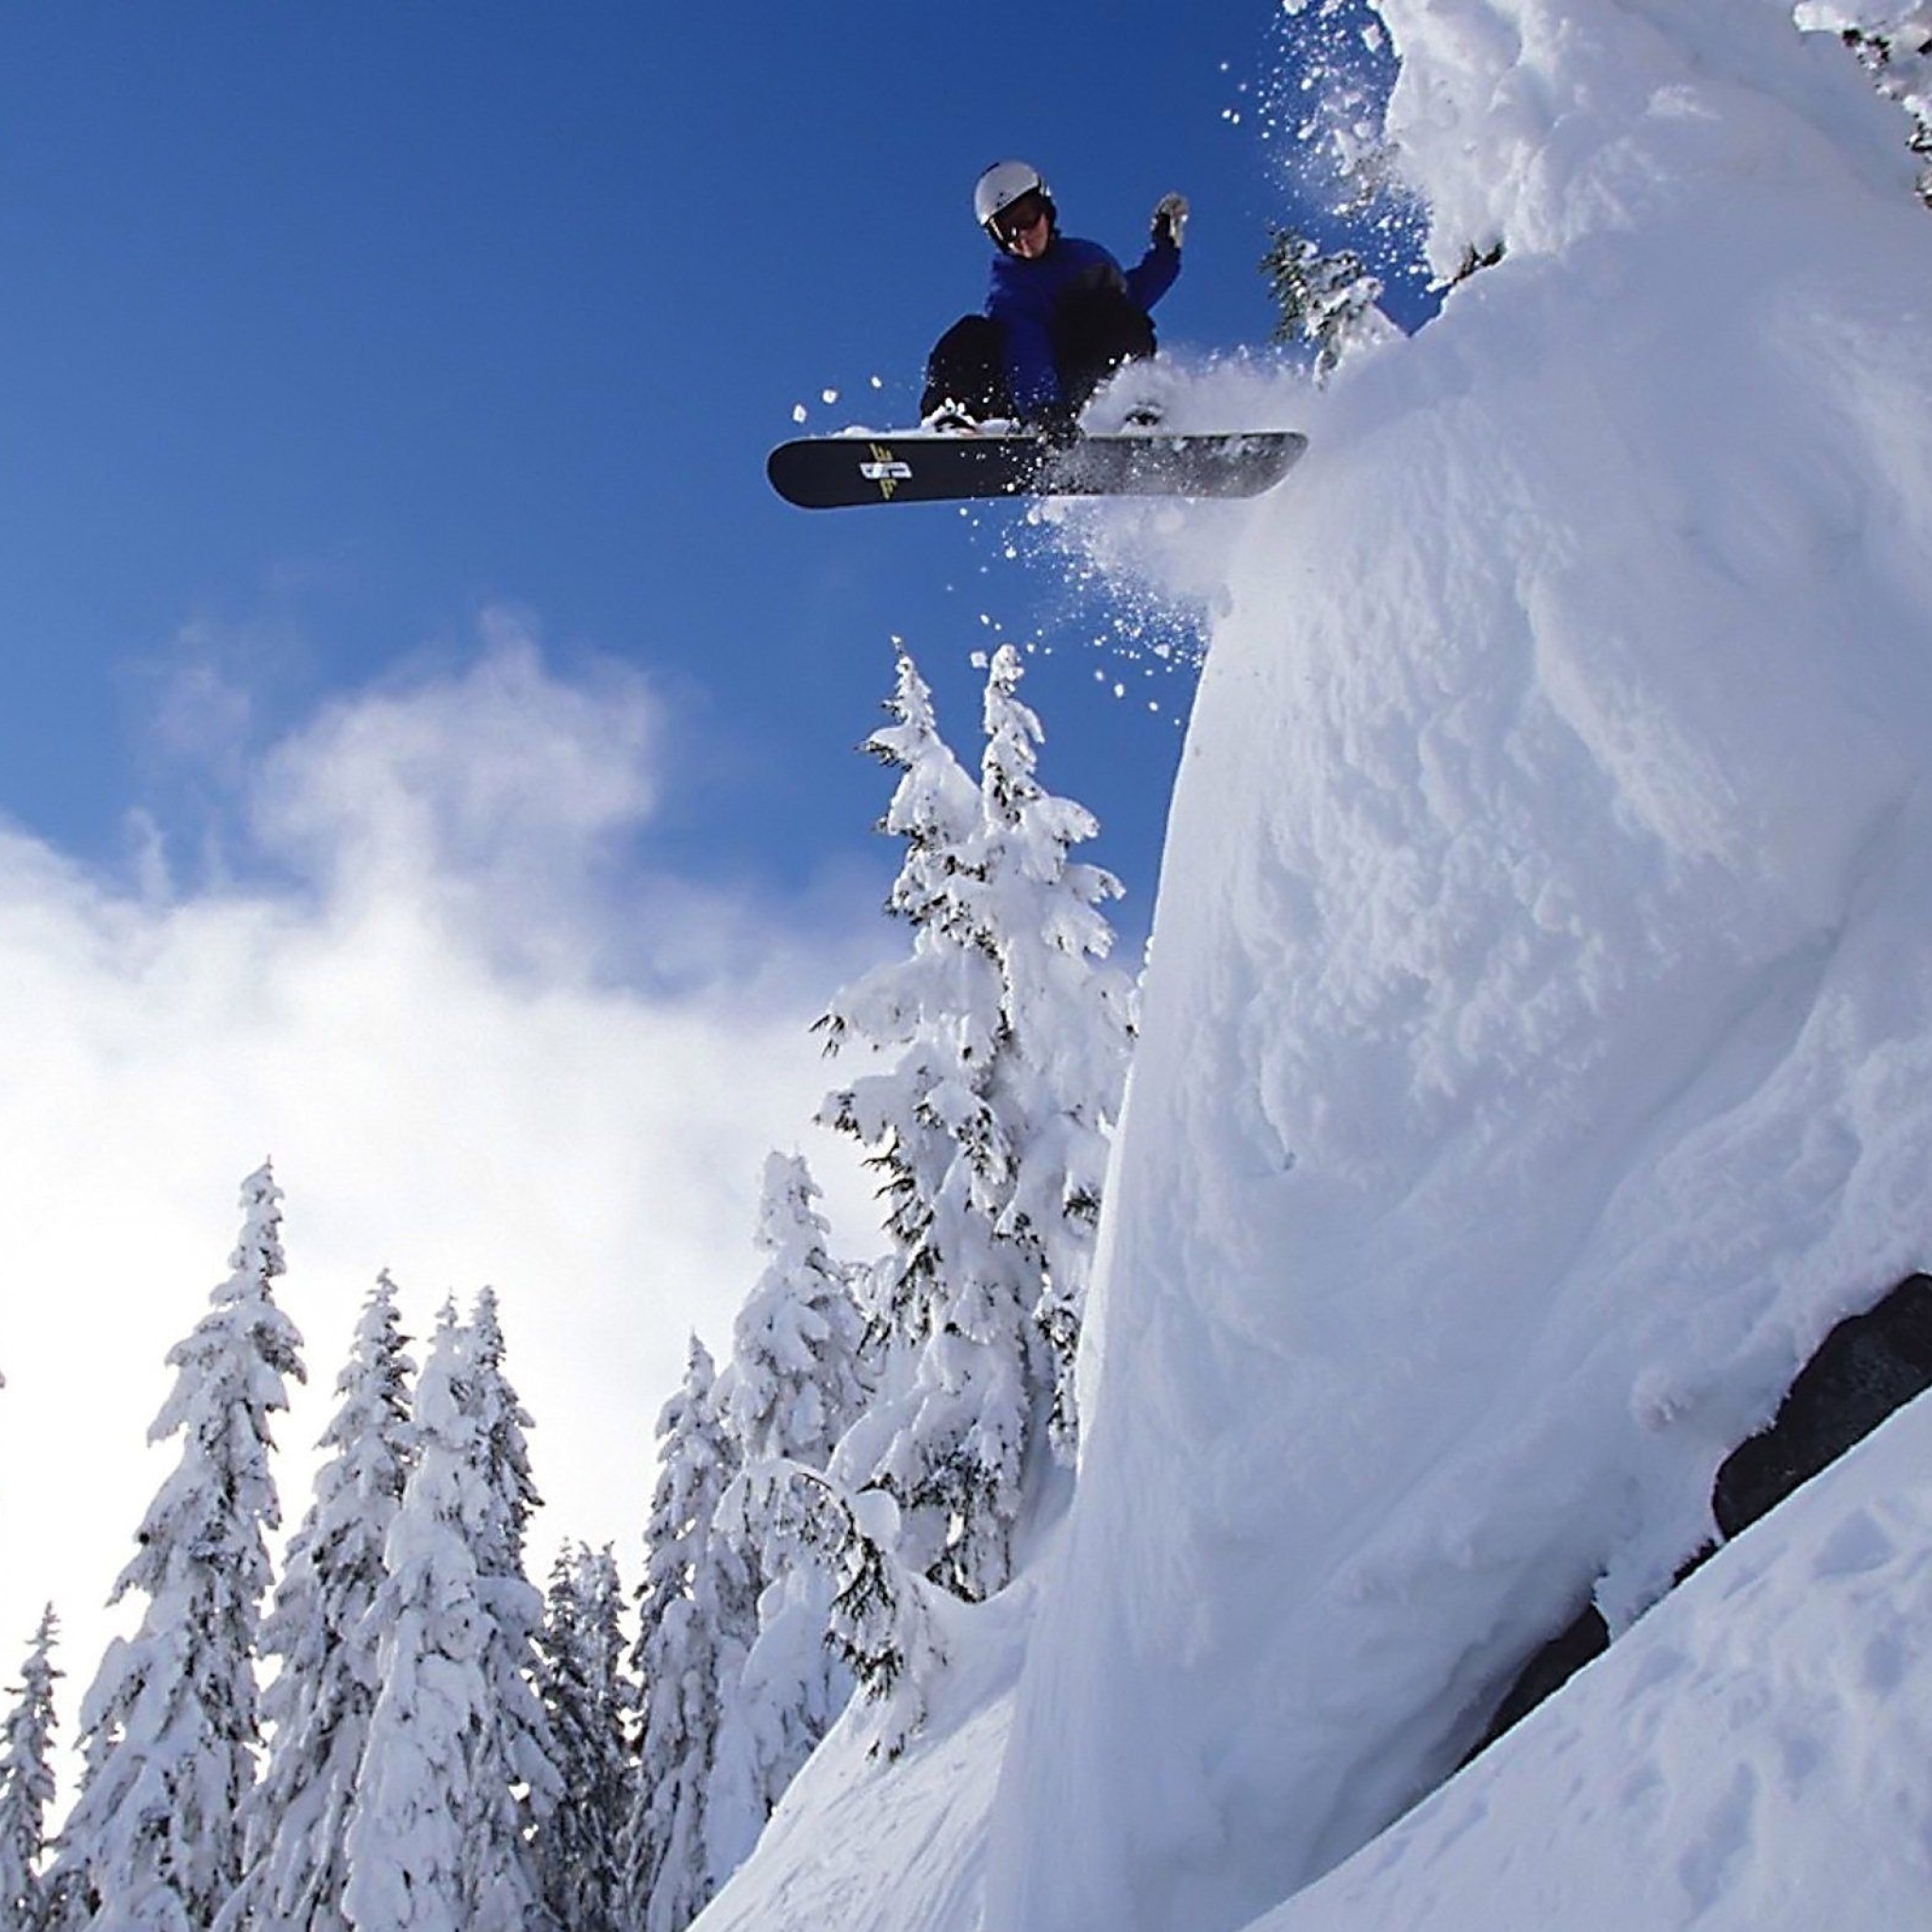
x=1001, y=186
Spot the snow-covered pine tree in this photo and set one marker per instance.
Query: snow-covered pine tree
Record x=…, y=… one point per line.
x=943, y=1434
x=27, y=1786
x=1327, y=302
x=170, y=1728
x=587, y=1699
x=924, y=1006
x=1068, y=1029
x=437, y=1838
x=699, y=1613
x=795, y=1378
x=416, y=1815
x=794, y=1386
x=881, y=1622
x=1010, y=1037
x=514, y=1769
x=878, y=1617
x=326, y=1635
x=934, y=808
x=1893, y=40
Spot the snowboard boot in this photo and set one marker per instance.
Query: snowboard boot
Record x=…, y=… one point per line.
x=949, y=419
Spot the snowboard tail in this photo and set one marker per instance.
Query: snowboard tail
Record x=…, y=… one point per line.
x=847, y=472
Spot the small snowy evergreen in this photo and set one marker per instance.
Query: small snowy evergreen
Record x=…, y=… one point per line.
x=325, y=1637
x=1329, y=302
x=698, y=1607
x=27, y=1786
x=169, y=1728
x=881, y=1620
x=408, y=1833
x=517, y=1782
x=1068, y=1027
x=588, y=1700
x=439, y=1836
x=795, y=1386
x=795, y=1382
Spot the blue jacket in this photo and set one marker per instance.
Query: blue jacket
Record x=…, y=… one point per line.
x=1026, y=295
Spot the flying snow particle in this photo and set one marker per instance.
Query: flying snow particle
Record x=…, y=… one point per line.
x=798, y=412
x=828, y=395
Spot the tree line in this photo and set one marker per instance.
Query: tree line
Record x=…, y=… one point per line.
x=397, y=1728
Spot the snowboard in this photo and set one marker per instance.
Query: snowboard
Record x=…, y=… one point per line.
x=935, y=466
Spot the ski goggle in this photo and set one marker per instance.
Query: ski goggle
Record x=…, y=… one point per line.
x=1018, y=216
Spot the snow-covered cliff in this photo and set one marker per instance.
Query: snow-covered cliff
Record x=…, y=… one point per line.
x=1537, y=1042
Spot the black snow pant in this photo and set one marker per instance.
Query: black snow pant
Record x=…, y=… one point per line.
x=1093, y=334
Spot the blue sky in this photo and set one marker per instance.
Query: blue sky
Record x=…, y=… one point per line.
x=326, y=327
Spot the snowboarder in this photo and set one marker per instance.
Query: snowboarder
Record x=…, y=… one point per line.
x=1061, y=317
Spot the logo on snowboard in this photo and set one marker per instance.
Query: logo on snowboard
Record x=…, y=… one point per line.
x=885, y=470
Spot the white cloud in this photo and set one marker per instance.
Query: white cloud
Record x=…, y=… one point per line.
x=482, y=1043
x=499, y=792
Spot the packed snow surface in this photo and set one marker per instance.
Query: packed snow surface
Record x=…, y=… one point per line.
x=868, y=1843
x=1537, y=1050
x=1750, y=1758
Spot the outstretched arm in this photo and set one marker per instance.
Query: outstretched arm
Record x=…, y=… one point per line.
x=1154, y=275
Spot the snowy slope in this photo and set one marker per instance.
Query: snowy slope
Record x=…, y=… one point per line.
x=867, y=1844
x=1755, y=1756
x=1536, y=1055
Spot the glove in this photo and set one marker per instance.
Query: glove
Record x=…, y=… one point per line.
x=1169, y=220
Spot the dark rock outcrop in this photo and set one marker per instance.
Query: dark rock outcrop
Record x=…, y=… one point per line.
x=1867, y=1367
x=1585, y=1637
